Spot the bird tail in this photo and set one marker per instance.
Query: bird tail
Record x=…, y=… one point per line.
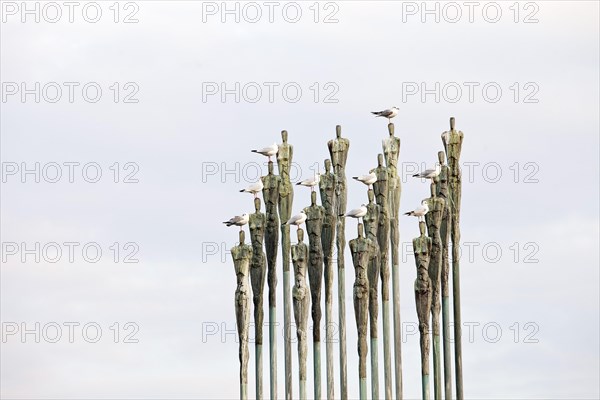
x=254, y=151
x=409, y=213
x=299, y=183
x=227, y=223
x=416, y=175
x=375, y=113
x=355, y=177
x=242, y=191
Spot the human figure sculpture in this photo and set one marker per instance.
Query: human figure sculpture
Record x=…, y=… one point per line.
x=391, y=151
x=422, y=250
x=433, y=219
x=315, y=215
x=271, y=199
x=286, y=196
x=242, y=255
x=380, y=188
x=338, y=151
x=371, y=225
x=258, y=269
x=452, y=141
x=301, y=300
x=361, y=248
x=442, y=192
x=327, y=191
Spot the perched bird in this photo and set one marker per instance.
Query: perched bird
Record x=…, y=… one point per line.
x=297, y=219
x=389, y=113
x=357, y=212
x=430, y=173
x=268, y=151
x=311, y=182
x=255, y=188
x=420, y=211
x=238, y=220
x=368, y=180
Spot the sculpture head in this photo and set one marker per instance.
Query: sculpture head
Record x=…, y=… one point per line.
x=242, y=237
x=441, y=157
x=270, y=167
x=300, y=235
x=313, y=198
x=284, y=136
x=380, y=160
x=432, y=189
x=361, y=230
x=391, y=129
x=422, y=228
x=371, y=195
x=452, y=123
x=338, y=131
x=257, y=204
x=327, y=165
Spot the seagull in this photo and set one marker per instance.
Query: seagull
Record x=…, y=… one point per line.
x=357, y=212
x=429, y=173
x=268, y=151
x=311, y=182
x=368, y=180
x=297, y=219
x=238, y=220
x=389, y=113
x=255, y=188
x=420, y=211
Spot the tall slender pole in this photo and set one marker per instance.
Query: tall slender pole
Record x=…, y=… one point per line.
x=423, y=288
x=442, y=191
x=391, y=150
x=327, y=191
x=452, y=140
x=271, y=198
x=286, y=197
x=338, y=150
x=258, y=269
x=383, y=238
x=434, y=220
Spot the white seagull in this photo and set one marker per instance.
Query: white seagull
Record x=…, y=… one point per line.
x=357, y=212
x=238, y=220
x=389, y=113
x=311, y=182
x=255, y=188
x=430, y=173
x=420, y=211
x=268, y=151
x=297, y=219
x=368, y=180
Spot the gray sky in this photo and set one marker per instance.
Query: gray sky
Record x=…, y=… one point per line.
x=530, y=191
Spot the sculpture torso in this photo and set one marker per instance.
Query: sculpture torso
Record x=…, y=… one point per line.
x=326, y=190
x=284, y=161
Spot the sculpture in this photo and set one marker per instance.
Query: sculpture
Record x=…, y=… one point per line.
x=391, y=151
x=271, y=198
x=286, y=196
x=433, y=219
x=442, y=192
x=327, y=191
x=242, y=254
x=338, y=151
x=380, y=187
x=301, y=300
x=361, y=252
x=422, y=249
x=453, y=144
x=314, y=225
x=371, y=225
x=258, y=267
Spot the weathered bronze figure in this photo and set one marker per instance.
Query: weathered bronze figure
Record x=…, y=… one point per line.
x=301, y=300
x=242, y=254
x=338, y=150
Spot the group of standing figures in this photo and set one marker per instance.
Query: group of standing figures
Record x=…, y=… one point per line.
x=377, y=237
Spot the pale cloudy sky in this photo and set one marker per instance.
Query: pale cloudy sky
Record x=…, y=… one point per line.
x=530, y=165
